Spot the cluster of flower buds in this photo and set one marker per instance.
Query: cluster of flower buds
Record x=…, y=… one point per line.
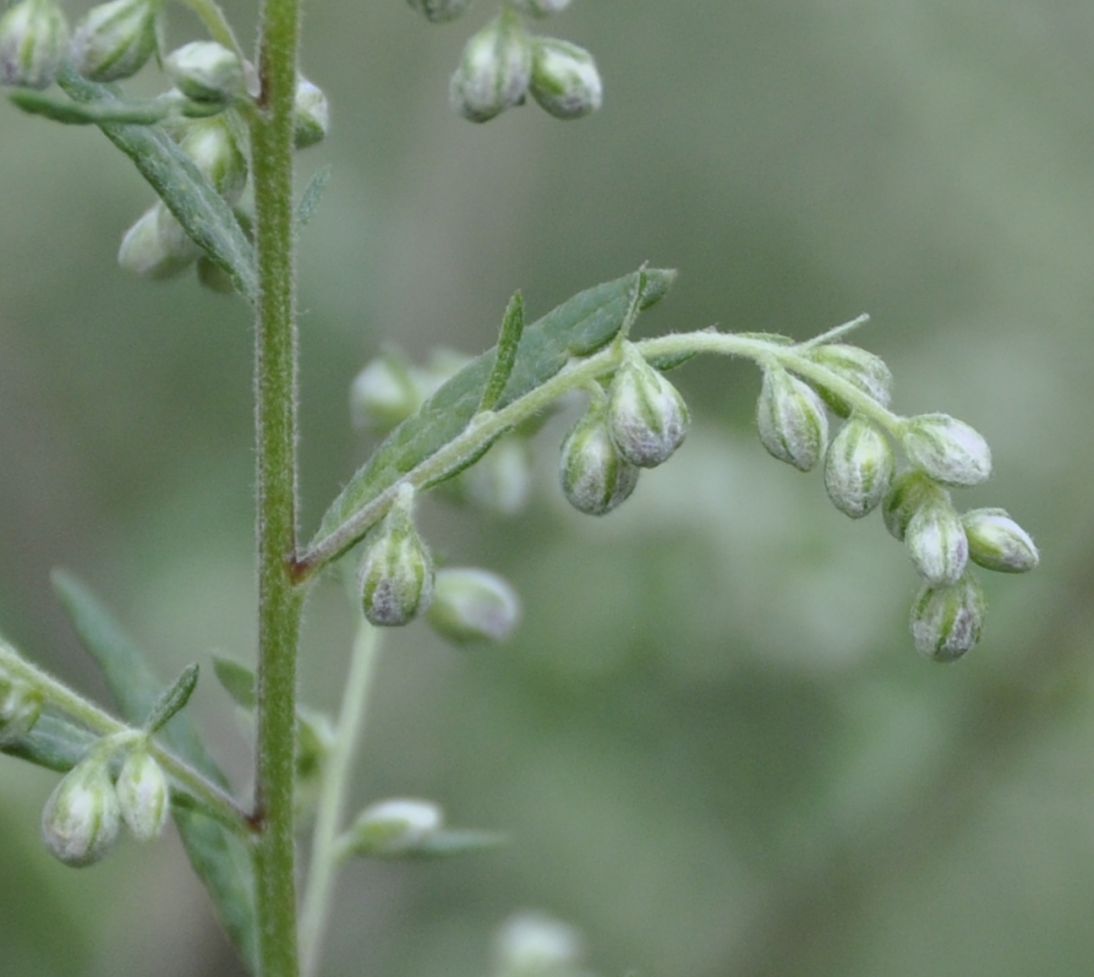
x=82, y=819
x=20, y=707
x=861, y=473
x=637, y=423
x=504, y=62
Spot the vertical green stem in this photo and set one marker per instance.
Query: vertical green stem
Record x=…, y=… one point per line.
x=275, y=420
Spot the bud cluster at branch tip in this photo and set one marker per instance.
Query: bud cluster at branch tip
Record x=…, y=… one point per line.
x=595, y=477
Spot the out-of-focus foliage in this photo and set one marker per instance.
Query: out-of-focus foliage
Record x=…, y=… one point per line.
x=712, y=742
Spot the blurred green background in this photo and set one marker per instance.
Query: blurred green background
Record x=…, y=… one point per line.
x=712, y=741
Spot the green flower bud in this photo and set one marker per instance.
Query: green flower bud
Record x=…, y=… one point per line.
x=115, y=39
x=438, y=11
x=858, y=468
x=156, y=246
x=81, y=819
x=494, y=71
x=909, y=492
x=395, y=826
x=20, y=707
x=311, y=114
x=532, y=944
x=946, y=621
x=947, y=449
x=33, y=43
x=647, y=416
x=396, y=576
x=595, y=476
x=565, y=80
x=215, y=152
x=143, y=795
x=206, y=72
x=541, y=8
x=791, y=419
x=384, y=393
x=855, y=365
x=937, y=543
x=470, y=604
x=997, y=542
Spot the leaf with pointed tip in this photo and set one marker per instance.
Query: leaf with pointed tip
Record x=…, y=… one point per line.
x=238, y=681
x=173, y=700
x=313, y=193
x=115, y=112
x=444, y=843
x=512, y=328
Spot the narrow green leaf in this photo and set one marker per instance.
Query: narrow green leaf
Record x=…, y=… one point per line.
x=445, y=843
x=173, y=700
x=54, y=743
x=238, y=681
x=218, y=856
x=313, y=193
x=578, y=327
x=512, y=328
x=196, y=205
x=119, y=111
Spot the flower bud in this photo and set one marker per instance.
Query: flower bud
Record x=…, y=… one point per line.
x=909, y=492
x=206, y=72
x=153, y=248
x=214, y=151
x=311, y=114
x=438, y=11
x=937, y=543
x=20, y=707
x=384, y=393
x=470, y=604
x=394, y=826
x=997, y=542
x=855, y=365
x=33, y=43
x=81, y=819
x=495, y=70
x=115, y=39
x=595, y=476
x=791, y=419
x=858, y=467
x=946, y=621
x=541, y=8
x=501, y=481
x=396, y=576
x=947, y=449
x=143, y=795
x=565, y=80
x=647, y=416
x=532, y=944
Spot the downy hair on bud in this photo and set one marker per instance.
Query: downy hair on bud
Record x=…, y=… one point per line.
x=948, y=450
x=791, y=419
x=595, y=477
x=858, y=467
x=82, y=817
x=396, y=575
x=206, y=72
x=946, y=621
x=495, y=69
x=647, y=416
x=143, y=795
x=865, y=370
x=115, y=39
x=936, y=541
x=33, y=43
x=565, y=79
x=998, y=543
x=311, y=114
x=910, y=491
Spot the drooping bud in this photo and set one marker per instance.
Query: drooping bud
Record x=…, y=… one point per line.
x=541, y=8
x=948, y=450
x=396, y=576
x=858, y=467
x=646, y=414
x=595, y=476
x=470, y=604
x=937, y=543
x=997, y=542
x=115, y=39
x=946, y=621
x=311, y=114
x=215, y=152
x=81, y=819
x=20, y=707
x=439, y=11
x=791, y=419
x=855, y=365
x=384, y=393
x=531, y=944
x=495, y=69
x=153, y=248
x=206, y=72
x=33, y=43
x=143, y=795
x=909, y=492
x=565, y=79
x=394, y=826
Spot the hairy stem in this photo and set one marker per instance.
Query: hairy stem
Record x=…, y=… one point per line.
x=275, y=439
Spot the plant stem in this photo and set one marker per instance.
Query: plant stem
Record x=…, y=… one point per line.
x=324, y=855
x=275, y=438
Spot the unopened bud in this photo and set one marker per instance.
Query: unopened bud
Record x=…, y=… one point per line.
x=857, y=366
x=541, y=8
x=908, y=494
x=502, y=481
x=946, y=621
x=937, y=543
x=565, y=79
x=595, y=476
x=311, y=114
x=214, y=151
x=394, y=826
x=384, y=393
x=156, y=246
x=858, y=467
x=646, y=414
x=206, y=72
x=532, y=944
x=115, y=39
x=20, y=707
x=495, y=70
x=997, y=542
x=81, y=819
x=791, y=419
x=396, y=577
x=33, y=43
x=143, y=795
x=470, y=604
x=947, y=449
x=438, y=11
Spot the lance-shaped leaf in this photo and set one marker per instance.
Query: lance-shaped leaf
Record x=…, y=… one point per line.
x=313, y=193
x=173, y=700
x=54, y=743
x=218, y=856
x=578, y=327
